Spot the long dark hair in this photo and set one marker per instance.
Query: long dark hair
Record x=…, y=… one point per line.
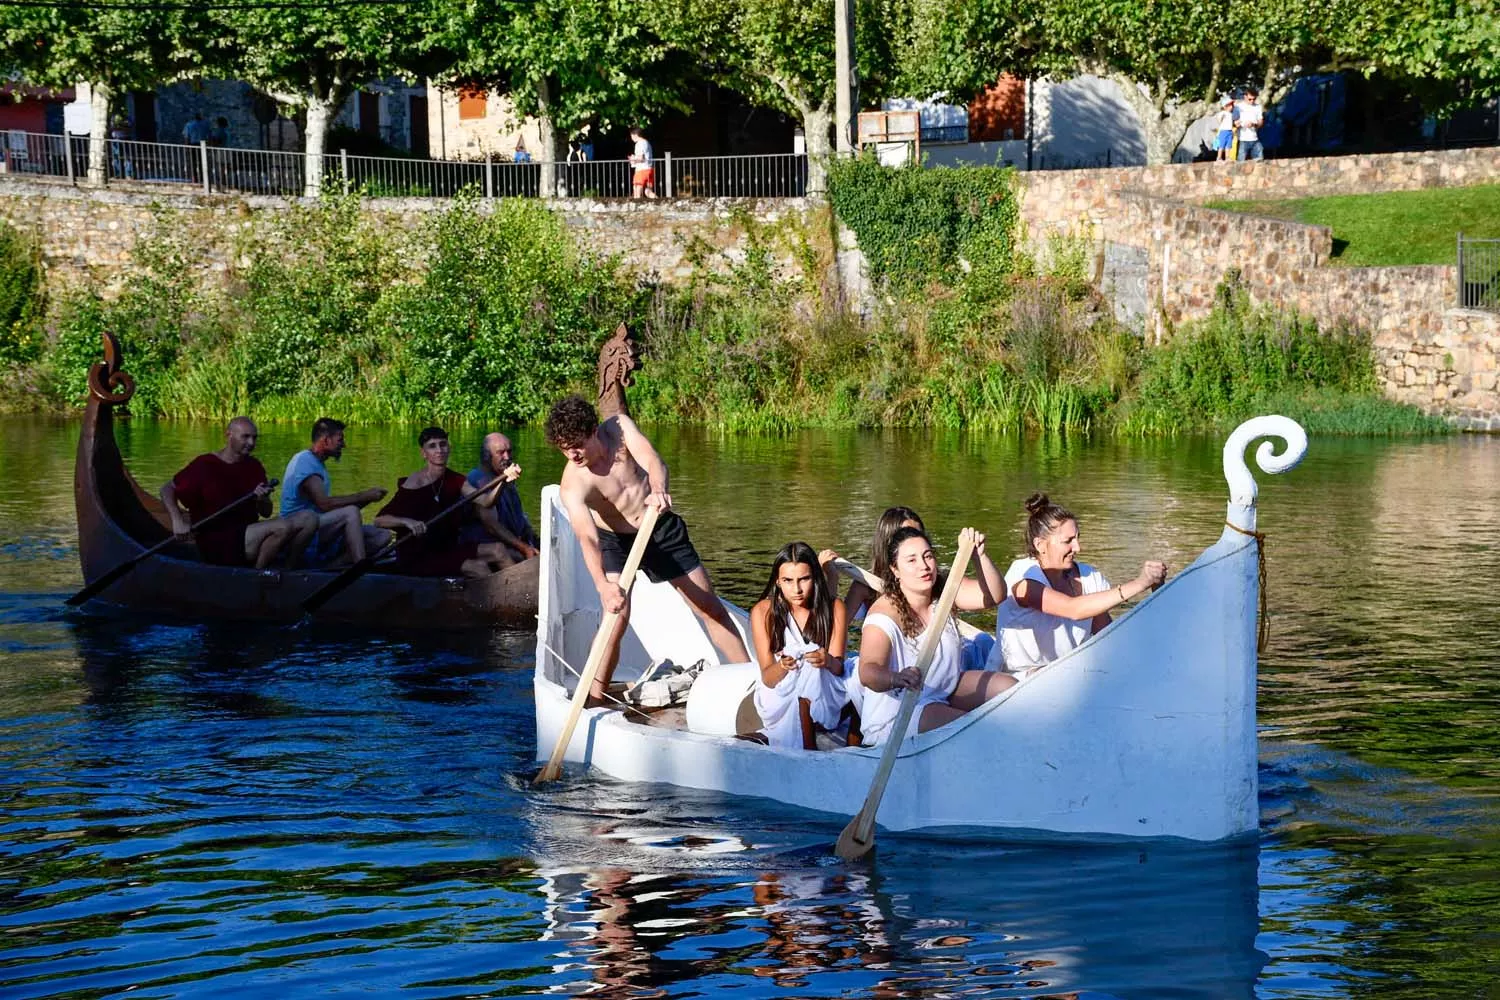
x=1042, y=518
x=890, y=522
x=820, y=622
x=905, y=616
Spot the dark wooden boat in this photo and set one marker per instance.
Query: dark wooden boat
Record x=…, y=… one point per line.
x=117, y=521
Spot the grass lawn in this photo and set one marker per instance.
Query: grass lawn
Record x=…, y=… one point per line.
x=1399, y=227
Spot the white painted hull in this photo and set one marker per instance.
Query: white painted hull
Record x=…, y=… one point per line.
x=1147, y=730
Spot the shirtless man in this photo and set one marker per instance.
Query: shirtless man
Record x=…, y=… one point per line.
x=613, y=474
x=220, y=481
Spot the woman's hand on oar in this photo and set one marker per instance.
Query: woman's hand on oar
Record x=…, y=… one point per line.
x=600, y=648
x=859, y=836
x=130, y=564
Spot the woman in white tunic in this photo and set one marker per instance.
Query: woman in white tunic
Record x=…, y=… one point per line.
x=799, y=628
x=893, y=633
x=1056, y=602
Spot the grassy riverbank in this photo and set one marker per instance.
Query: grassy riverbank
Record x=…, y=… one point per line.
x=1394, y=228
x=487, y=317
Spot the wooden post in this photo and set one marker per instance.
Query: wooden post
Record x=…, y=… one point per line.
x=844, y=85
x=344, y=168
x=203, y=164
x=68, y=153
x=667, y=166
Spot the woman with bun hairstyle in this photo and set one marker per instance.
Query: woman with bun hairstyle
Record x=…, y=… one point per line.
x=898, y=622
x=799, y=629
x=1057, y=602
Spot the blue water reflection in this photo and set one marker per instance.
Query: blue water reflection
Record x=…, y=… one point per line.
x=191, y=810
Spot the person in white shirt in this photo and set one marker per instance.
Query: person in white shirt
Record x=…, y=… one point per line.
x=1056, y=602
x=643, y=178
x=1252, y=117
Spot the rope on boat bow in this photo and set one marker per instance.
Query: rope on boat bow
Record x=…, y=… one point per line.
x=1263, y=627
x=624, y=705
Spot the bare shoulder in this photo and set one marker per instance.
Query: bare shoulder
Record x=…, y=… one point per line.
x=882, y=606
x=575, y=484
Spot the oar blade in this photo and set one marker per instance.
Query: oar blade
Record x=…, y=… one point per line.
x=849, y=846
x=98, y=586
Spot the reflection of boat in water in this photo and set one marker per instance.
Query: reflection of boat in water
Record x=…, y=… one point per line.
x=1147, y=729
x=117, y=521
x=1109, y=919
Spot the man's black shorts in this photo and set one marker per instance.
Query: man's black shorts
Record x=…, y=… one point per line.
x=669, y=554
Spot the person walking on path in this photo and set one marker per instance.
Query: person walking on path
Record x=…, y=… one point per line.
x=643, y=177
x=1252, y=117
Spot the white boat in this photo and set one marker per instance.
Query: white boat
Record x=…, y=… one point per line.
x=1146, y=730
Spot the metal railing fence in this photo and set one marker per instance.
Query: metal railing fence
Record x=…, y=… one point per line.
x=1478, y=274
x=769, y=175
x=132, y=160
x=35, y=153
x=258, y=171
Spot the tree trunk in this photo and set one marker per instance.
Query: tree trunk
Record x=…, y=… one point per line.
x=320, y=113
x=553, y=141
x=99, y=100
x=1164, y=124
x=817, y=129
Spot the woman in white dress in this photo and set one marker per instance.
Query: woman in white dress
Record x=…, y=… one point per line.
x=893, y=633
x=799, y=629
x=1056, y=602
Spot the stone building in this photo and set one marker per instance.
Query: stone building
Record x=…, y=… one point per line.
x=385, y=113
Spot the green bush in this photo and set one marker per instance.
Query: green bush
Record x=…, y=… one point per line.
x=917, y=226
x=20, y=298
x=158, y=314
x=315, y=276
x=1239, y=361
x=507, y=316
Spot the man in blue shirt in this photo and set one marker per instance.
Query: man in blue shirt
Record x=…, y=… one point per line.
x=305, y=486
x=506, y=520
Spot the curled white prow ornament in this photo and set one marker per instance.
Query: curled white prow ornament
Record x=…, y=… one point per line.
x=1242, y=490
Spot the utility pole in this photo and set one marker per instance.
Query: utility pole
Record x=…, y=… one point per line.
x=845, y=100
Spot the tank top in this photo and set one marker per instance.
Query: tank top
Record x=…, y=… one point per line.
x=881, y=707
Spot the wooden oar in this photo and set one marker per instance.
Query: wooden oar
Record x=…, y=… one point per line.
x=331, y=589
x=859, y=836
x=130, y=564
x=598, y=649
x=859, y=573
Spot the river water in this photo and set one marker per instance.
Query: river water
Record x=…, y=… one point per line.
x=227, y=810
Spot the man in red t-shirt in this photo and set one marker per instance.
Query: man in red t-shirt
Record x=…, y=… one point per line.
x=222, y=479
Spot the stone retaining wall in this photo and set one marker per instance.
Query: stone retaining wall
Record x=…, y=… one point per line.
x=1430, y=354
x=1063, y=200
x=88, y=234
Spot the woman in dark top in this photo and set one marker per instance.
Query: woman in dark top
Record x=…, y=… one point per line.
x=421, y=496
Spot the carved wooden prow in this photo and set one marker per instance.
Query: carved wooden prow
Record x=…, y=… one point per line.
x=617, y=364
x=107, y=382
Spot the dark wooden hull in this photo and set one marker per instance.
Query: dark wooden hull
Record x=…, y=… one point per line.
x=117, y=521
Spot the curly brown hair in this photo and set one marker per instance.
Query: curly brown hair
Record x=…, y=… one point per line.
x=571, y=422
x=905, y=616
